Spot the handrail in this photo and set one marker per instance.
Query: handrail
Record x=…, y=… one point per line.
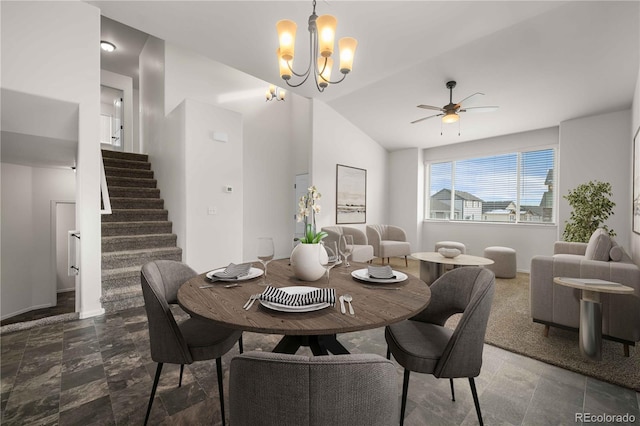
x=104, y=190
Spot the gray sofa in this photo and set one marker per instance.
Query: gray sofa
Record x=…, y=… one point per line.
x=602, y=258
x=362, y=251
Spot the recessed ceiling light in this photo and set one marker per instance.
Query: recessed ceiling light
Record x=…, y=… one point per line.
x=107, y=47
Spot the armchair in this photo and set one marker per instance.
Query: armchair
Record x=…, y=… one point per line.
x=601, y=258
x=362, y=251
x=388, y=241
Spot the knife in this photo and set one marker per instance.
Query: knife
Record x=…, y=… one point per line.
x=342, y=309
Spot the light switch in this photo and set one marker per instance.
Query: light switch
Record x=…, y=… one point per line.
x=213, y=210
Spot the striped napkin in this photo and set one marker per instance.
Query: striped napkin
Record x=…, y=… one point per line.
x=321, y=295
x=380, y=272
x=233, y=271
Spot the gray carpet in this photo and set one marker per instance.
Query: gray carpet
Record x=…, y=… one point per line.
x=511, y=328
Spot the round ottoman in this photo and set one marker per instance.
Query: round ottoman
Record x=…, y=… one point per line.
x=451, y=244
x=504, y=261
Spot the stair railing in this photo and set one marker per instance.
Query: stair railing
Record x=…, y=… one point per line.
x=73, y=250
x=104, y=190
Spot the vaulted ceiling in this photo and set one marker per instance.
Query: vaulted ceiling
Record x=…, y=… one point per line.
x=541, y=62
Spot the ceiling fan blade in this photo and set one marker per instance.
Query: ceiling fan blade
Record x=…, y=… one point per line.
x=435, y=108
x=467, y=98
x=426, y=118
x=480, y=109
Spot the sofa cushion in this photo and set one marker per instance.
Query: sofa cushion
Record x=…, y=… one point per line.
x=616, y=253
x=598, y=246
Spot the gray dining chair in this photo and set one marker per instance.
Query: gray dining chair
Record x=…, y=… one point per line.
x=267, y=389
x=191, y=340
x=424, y=345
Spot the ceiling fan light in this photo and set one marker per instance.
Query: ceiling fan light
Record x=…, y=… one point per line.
x=326, y=34
x=450, y=117
x=287, y=38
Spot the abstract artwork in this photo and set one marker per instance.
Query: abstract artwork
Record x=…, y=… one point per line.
x=351, y=195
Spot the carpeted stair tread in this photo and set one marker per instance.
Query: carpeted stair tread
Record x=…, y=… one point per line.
x=112, y=229
x=121, y=273
x=125, y=155
x=131, y=182
x=126, y=215
x=133, y=192
x=138, y=242
x=127, y=172
x=136, y=203
x=118, y=162
x=123, y=259
x=121, y=301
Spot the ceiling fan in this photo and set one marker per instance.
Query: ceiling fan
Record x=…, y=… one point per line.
x=449, y=112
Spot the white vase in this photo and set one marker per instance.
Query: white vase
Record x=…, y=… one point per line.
x=305, y=261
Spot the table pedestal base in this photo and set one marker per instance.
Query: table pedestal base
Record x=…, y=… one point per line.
x=591, y=329
x=431, y=271
x=319, y=345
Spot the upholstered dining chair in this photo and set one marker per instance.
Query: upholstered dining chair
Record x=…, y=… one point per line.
x=191, y=340
x=422, y=343
x=388, y=241
x=268, y=389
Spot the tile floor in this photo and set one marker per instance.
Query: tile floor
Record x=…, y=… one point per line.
x=99, y=371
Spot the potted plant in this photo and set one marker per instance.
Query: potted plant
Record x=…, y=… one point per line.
x=591, y=207
x=305, y=257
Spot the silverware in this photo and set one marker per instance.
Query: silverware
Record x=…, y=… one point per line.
x=381, y=288
x=226, y=286
x=251, y=300
x=348, y=299
x=342, y=309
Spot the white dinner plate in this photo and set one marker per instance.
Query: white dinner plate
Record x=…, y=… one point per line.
x=287, y=308
x=363, y=275
x=253, y=273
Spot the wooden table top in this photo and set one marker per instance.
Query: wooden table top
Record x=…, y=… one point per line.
x=459, y=260
x=600, y=286
x=373, y=307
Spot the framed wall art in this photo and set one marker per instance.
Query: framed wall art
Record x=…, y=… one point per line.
x=351, y=195
x=636, y=182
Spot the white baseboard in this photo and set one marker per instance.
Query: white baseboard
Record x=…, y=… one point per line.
x=28, y=309
x=94, y=313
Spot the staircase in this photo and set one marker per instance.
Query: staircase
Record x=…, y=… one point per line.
x=135, y=233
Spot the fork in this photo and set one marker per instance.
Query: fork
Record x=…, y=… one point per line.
x=251, y=300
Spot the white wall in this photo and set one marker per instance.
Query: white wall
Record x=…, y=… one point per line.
x=271, y=143
x=406, y=194
x=212, y=239
x=597, y=148
x=338, y=141
x=151, y=62
x=71, y=73
x=527, y=239
x=28, y=274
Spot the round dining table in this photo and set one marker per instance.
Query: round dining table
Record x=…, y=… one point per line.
x=375, y=305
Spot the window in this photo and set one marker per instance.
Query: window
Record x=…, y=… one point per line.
x=513, y=188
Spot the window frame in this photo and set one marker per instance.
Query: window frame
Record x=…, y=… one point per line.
x=427, y=188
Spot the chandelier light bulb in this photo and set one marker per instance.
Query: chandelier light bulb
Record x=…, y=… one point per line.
x=287, y=38
x=347, y=46
x=326, y=34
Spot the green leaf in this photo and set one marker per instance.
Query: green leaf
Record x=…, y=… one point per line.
x=319, y=236
x=591, y=207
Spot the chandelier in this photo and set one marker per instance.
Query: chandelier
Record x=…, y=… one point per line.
x=322, y=31
x=276, y=93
